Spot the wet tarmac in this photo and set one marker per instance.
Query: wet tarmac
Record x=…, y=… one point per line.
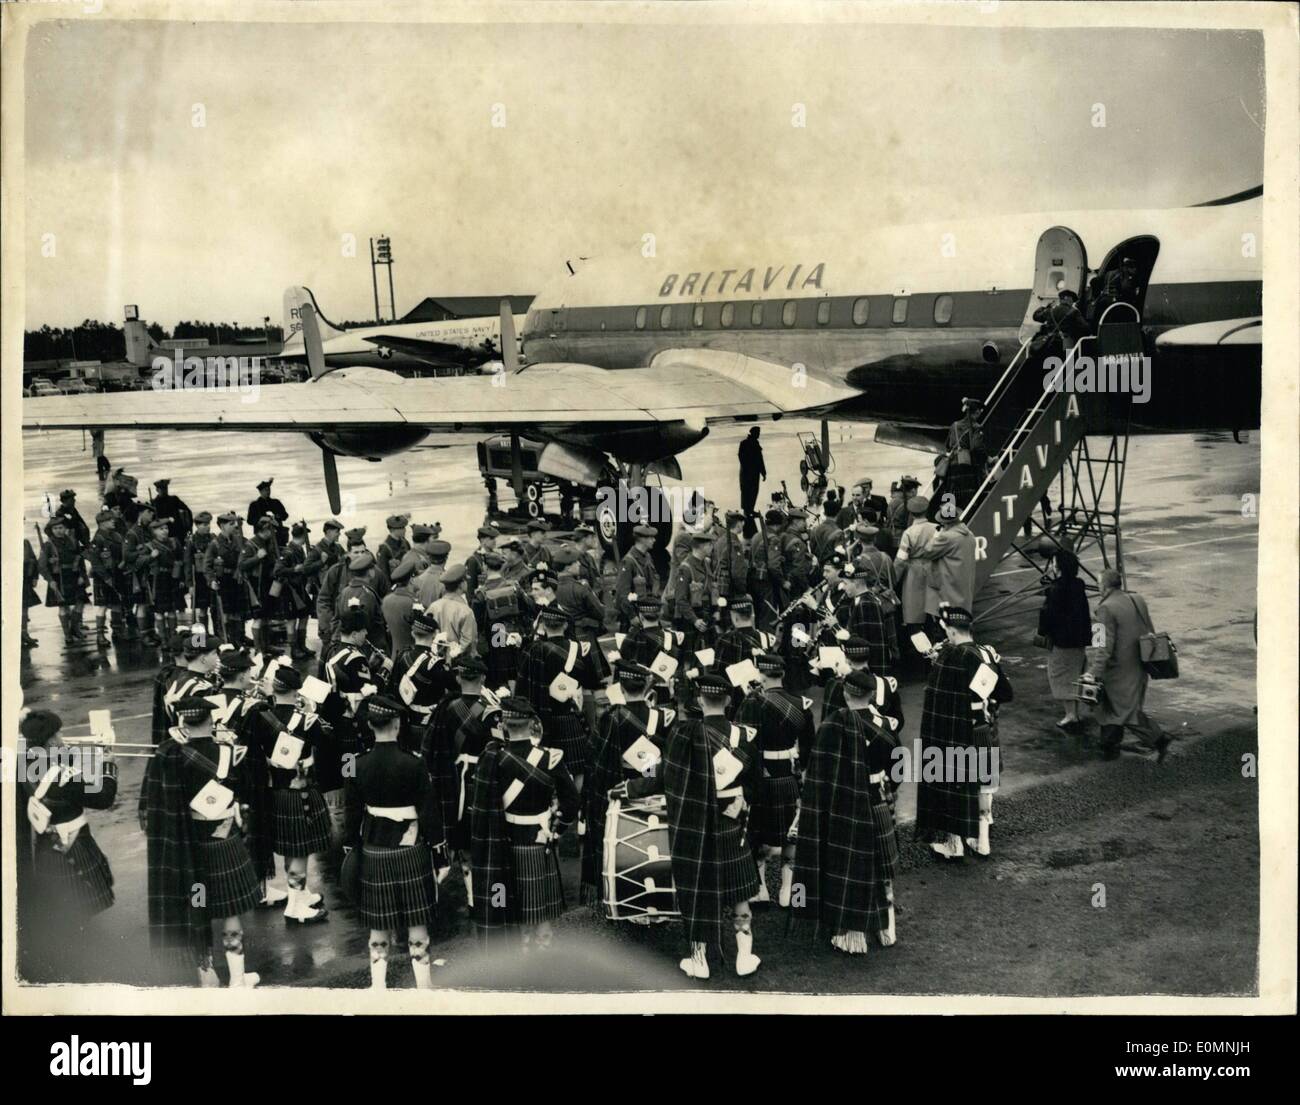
x=1190, y=550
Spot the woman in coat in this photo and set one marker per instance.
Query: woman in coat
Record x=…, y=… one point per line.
x=1067, y=624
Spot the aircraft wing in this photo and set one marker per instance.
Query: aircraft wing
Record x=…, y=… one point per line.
x=707, y=385
x=1230, y=331
x=431, y=352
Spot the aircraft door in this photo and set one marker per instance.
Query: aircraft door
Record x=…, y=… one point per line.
x=1060, y=261
x=1143, y=251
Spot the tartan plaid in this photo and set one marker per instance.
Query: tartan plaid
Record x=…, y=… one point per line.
x=178, y=929
x=227, y=876
x=738, y=644
x=78, y=882
x=949, y=722
x=838, y=860
x=563, y=726
x=300, y=822
x=439, y=752
x=398, y=888
x=713, y=867
x=863, y=617
x=568, y=733
x=782, y=723
x=497, y=858
x=774, y=811
x=537, y=883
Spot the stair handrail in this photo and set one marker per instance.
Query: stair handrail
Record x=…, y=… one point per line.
x=1024, y=427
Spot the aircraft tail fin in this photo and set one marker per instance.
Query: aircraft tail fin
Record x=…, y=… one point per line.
x=139, y=342
x=294, y=298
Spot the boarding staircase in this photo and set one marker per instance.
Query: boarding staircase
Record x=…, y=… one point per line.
x=1049, y=443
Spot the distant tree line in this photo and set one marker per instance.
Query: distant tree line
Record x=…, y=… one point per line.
x=93, y=340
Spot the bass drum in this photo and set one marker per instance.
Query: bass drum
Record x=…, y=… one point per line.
x=637, y=869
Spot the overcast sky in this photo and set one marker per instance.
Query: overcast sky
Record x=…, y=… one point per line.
x=610, y=132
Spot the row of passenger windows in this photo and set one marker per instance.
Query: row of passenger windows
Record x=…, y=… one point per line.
x=789, y=311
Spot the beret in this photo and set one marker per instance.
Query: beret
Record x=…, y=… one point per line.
x=454, y=574
x=380, y=707
x=396, y=521
x=332, y=525
x=488, y=531
x=714, y=684
x=469, y=665
x=194, y=708
x=644, y=531
x=203, y=516
x=39, y=726
x=286, y=677
x=350, y=621
x=770, y=663
x=360, y=560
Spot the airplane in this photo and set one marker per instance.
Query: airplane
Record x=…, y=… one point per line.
x=630, y=361
x=465, y=342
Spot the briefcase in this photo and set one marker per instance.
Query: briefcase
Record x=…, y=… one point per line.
x=1159, y=655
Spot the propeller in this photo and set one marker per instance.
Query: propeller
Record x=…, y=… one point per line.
x=316, y=364
x=509, y=344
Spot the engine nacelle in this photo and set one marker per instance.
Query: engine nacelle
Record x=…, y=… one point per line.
x=372, y=444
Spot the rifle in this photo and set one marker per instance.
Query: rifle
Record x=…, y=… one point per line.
x=51, y=559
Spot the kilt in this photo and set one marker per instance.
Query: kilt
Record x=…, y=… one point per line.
x=292, y=602
x=78, y=882
x=568, y=733
x=234, y=597
x=202, y=592
x=113, y=591
x=1064, y=666
x=735, y=874
x=73, y=591
x=502, y=665
x=537, y=882
x=166, y=593
x=774, y=811
x=398, y=888
x=886, y=838
x=229, y=881
x=300, y=822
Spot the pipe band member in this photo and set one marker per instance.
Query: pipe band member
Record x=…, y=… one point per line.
x=300, y=819
x=553, y=658
x=783, y=722
x=710, y=777
x=421, y=678
x=962, y=696
x=847, y=853
x=72, y=879
x=195, y=675
x=626, y=762
x=393, y=817
x=458, y=732
x=524, y=800
x=194, y=805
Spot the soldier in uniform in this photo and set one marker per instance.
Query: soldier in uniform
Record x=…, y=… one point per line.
x=710, y=775
x=294, y=747
x=64, y=570
x=192, y=556
x=194, y=805
x=361, y=589
x=393, y=817
x=962, y=695
x=626, y=762
x=502, y=610
x=263, y=505
x=257, y=563
x=884, y=696
x=420, y=679
x=742, y=641
x=784, y=726
x=897, y=516
x=524, y=800
x=163, y=579
x=320, y=558
x=72, y=880
x=637, y=574
x=847, y=853
x=108, y=573
x=31, y=573
x=592, y=559
x=120, y=498
x=487, y=542
x=332, y=580
x=393, y=547
x=429, y=587
x=692, y=593
x=512, y=558
x=67, y=509
x=135, y=555
x=225, y=580
x=535, y=553
x=767, y=573
x=290, y=573
x=730, y=556
x=863, y=615
x=172, y=508
x=448, y=759
x=456, y=617
x=194, y=675
x=576, y=596
x=648, y=637
x=542, y=662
